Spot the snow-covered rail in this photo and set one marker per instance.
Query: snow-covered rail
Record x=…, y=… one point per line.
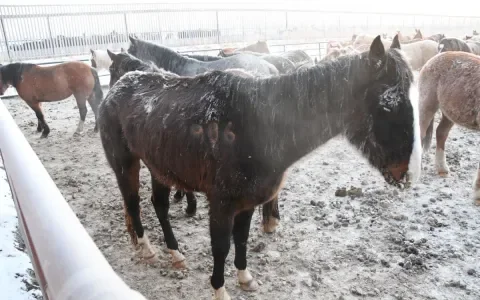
x=67, y=262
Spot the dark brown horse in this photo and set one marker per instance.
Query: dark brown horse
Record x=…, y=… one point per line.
x=36, y=84
x=259, y=47
x=450, y=81
x=234, y=138
x=123, y=63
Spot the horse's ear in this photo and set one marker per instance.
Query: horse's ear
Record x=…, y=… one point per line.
x=377, y=52
x=316, y=61
x=93, y=52
x=122, y=50
x=133, y=39
x=111, y=54
x=395, y=43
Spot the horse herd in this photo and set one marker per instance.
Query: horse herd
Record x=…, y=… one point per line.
x=231, y=126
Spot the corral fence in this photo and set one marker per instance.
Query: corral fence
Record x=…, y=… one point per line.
x=48, y=31
x=67, y=263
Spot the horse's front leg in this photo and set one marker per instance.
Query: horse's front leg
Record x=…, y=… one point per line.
x=221, y=225
x=241, y=229
x=476, y=187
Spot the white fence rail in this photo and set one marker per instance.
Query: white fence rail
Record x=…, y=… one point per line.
x=67, y=263
x=43, y=31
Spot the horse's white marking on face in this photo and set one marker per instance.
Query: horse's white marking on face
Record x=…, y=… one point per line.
x=221, y=294
x=441, y=161
x=80, y=126
x=441, y=46
x=415, y=163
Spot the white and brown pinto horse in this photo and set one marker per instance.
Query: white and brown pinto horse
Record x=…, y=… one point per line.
x=450, y=81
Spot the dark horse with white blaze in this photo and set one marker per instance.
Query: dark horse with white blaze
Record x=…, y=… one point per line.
x=234, y=138
x=172, y=61
x=36, y=84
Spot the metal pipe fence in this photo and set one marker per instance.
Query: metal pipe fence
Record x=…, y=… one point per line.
x=46, y=31
x=67, y=263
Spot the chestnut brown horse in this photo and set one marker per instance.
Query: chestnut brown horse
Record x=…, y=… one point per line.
x=259, y=47
x=450, y=81
x=36, y=84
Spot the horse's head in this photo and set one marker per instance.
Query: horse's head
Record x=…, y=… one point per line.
x=116, y=70
x=93, y=61
x=385, y=125
x=133, y=48
x=3, y=83
x=418, y=34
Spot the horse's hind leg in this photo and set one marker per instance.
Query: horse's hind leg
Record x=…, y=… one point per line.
x=94, y=106
x=476, y=187
x=127, y=168
x=442, y=133
x=42, y=125
x=191, y=204
x=82, y=108
x=178, y=195
x=271, y=215
x=161, y=203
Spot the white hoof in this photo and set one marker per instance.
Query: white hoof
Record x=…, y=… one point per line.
x=476, y=197
x=441, y=163
x=247, y=283
x=221, y=294
x=80, y=127
x=146, y=250
x=178, y=260
x=271, y=225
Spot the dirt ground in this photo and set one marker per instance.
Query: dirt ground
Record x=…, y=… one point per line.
x=378, y=243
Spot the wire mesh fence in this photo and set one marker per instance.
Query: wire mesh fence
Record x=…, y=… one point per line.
x=38, y=32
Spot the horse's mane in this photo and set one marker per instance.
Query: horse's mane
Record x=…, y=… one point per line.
x=164, y=57
x=129, y=62
x=13, y=72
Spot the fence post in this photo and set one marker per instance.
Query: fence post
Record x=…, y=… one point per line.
x=50, y=35
x=218, y=27
x=286, y=19
x=5, y=39
x=126, y=26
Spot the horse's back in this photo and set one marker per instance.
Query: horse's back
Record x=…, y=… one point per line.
x=145, y=107
x=244, y=61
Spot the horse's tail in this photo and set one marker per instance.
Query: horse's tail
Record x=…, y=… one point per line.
x=97, y=88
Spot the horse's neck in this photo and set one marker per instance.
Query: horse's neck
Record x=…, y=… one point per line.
x=170, y=60
x=297, y=113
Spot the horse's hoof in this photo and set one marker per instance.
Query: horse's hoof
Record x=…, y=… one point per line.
x=190, y=212
x=221, y=294
x=271, y=225
x=476, y=202
x=443, y=173
x=182, y=264
x=249, y=286
x=43, y=136
x=152, y=259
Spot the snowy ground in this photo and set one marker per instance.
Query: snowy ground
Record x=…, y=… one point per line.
x=16, y=282
x=378, y=243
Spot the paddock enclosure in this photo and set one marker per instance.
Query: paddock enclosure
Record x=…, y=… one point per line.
x=378, y=243
x=343, y=234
